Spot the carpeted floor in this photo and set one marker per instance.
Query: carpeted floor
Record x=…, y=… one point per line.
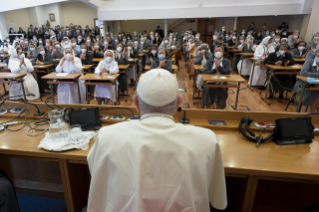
x=29, y=203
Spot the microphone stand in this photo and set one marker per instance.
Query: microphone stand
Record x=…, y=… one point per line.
x=183, y=120
x=38, y=113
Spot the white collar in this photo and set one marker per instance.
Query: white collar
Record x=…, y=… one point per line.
x=314, y=63
x=161, y=115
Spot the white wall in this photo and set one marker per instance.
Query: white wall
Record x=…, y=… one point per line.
x=313, y=25
x=55, y=9
x=18, y=17
x=7, y=5
x=33, y=17
x=78, y=13
x=3, y=28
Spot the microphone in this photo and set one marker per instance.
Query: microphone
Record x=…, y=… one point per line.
x=183, y=120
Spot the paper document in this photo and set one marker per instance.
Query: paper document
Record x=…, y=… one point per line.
x=61, y=74
x=219, y=77
x=296, y=66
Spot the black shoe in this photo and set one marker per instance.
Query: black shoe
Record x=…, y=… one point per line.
x=281, y=96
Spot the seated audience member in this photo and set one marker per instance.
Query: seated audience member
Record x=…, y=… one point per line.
x=300, y=51
x=57, y=51
x=66, y=43
x=309, y=69
x=174, y=52
x=11, y=32
x=157, y=40
x=68, y=93
x=314, y=40
x=80, y=40
x=311, y=53
x=258, y=36
x=131, y=53
x=4, y=47
x=276, y=41
x=24, y=45
x=85, y=56
x=203, y=56
x=33, y=52
x=97, y=52
x=43, y=58
x=261, y=52
x=162, y=61
x=233, y=41
x=217, y=65
x=158, y=142
x=280, y=82
x=89, y=42
x=121, y=58
x=49, y=47
x=107, y=45
x=75, y=48
x=293, y=40
x=151, y=55
x=106, y=66
x=19, y=64
x=284, y=34
x=114, y=44
x=283, y=41
x=246, y=46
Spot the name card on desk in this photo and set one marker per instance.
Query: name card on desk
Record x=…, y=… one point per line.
x=62, y=75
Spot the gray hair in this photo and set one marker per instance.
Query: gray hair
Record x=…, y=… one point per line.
x=167, y=109
x=39, y=47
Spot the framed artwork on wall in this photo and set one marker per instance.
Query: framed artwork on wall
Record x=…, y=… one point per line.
x=52, y=17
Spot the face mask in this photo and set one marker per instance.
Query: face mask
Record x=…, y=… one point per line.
x=317, y=38
x=40, y=41
x=96, y=46
x=284, y=33
x=242, y=32
x=277, y=40
x=173, y=47
x=89, y=41
x=242, y=41
x=129, y=48
x=116, y=41
x=108, y=59
x=317, y=60
x=57, y=46
x=218, y=55
x=267, y=33
x=66, y=42
x=223, y=30
x=166, y=41
x=8, y=40
x=73, y=44
x=142, y=42
x=277, y=32
x=119, y=49
x=83, y=51
x=301, y=48
x=296, y=36
x=233, y=37
x=227, y=36
x=174, y=39
x=273, y=35
x=32, y=49
x=42, y=53
x=68, y=56
x=33, y=39
x=83, y=33
x=161, y=56
x=192, y=44
x=105, y=43
x=153, y=52
x=281, y=52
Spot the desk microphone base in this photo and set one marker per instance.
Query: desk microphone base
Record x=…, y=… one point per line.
x=184, y=121
x=38, y=113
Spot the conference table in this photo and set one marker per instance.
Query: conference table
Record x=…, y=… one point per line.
x=264, y=178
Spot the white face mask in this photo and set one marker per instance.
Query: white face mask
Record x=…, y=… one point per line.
x=234, y=37
x=296, y=36
x=174, y=39
x=242, y=32
x=66, y=42
x=73, y=44
x=26, y=42
x=46, y=44
x=129, y=48
x=153, y=52
x=166, y=41
x=79, y=40
x=242, y=41
x=173, y=47
x=203, y=51
x=142, y=42
x=40, y=41
x=135, y=42
x=83, y=51
x=281, y=52
x=32, y=49
x=119, y=49
x=42, y=53
x=105, y=43
x=301, y=48
x=96, y=46
x=317, y=38
x=108, y=59
x=8, y=40
x=57, y=46
x=89, y=41
x=284, y=33
x=218, y=55
x=277, y=40
x=192, y=44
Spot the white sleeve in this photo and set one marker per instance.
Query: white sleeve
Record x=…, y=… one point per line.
x=271, y=49
x=98, y=68
x=258, y=53
x=77, y=66
x=240, y=47
x=115, y=70
x=1, y=49
x=253, y=48
x=14, y=66
x=59, y=68
x=29, y=66
x=6, y=49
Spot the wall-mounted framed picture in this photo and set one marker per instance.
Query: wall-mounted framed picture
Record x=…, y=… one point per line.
x=52, y=17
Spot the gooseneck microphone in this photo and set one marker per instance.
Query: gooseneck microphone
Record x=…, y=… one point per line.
x=183, y=120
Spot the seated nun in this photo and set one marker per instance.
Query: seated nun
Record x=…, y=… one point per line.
x=309, y=69
x=97, y=51
x=57, y=50
x=300, y=51
x=217, y=65
x=314, y=40
x=85, y=56
x=312, y=52
x=106, y=66
x=203, y=56
x=33, y=52
x=280, y=82
x=283, y=41
x=68, y=93
x=66, y=43
x=4, y=48
x=19, y=64
x=246, y=46
x=131, y=53
x=121, y=58
x=261, y=52
x=151, y=55
x=171, y=167
x=293, y=40
x=162, y=61
x=165, y=44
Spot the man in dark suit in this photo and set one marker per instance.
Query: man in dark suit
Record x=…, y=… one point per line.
x=159, y=31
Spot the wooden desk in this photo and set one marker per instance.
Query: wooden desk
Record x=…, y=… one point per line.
x=102, y=79
x=132, y=60
x=289, y=70
x=86, y=67
x=44, y=69
x=290, y=169
x=255, y=60
x=72, y=79
x=141, y=54
x=146, y=51
x=56, y=61
x=299, y=60
x=244, y=55
x=148, y=67
x=8, y=77
x=97, y=60
x=208, y=78
x=196, y=69
x=305, y=83
x=4, y=55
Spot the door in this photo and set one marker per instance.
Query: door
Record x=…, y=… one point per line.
x=206, y=27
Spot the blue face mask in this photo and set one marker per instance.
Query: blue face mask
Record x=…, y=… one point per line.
x=161, y=56
x=34, y=39
x=317, y=59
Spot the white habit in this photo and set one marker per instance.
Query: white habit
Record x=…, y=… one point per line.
x=156, y=166
x=68, y=94
x=106, y=91
x=30, y=84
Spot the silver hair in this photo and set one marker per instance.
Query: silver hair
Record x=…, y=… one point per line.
x=39, y=47
x=146, y=108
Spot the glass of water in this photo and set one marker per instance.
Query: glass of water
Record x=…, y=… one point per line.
x=76, y=133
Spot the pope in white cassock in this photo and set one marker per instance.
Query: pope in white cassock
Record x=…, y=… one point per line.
x=67, y=93
x=19, y=64
x=155, y=164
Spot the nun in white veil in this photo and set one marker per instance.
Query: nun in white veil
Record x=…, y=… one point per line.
x=106, y=66
x=66, y=43
x=261, y=52
x=67, y=93
x=19, y=64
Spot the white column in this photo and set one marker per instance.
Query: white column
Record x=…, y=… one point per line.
x=3, y=27
x=118, y=26
x=165, y=27
x=304, y=26
x=235, y=23
x=101, y=26
x=313, y=25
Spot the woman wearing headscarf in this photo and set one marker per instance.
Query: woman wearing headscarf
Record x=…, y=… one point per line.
x=261, y=52
x=217, y=65
x=314, y=40
x=162, y=61
x=203, y=56
x=66, y=43
x=283, y=41
x=68, y=93
x=151, y=55
x=19, y=64
x=246, y=46
x=106, y=66
x=57, y=50
x=309, y=69
x=280, y=82
x=300, y=51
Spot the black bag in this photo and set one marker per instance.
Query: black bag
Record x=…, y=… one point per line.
x=8, y=196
